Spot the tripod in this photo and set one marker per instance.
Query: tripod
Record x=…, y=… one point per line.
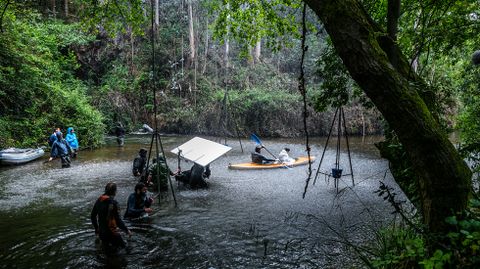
x=156, y=173
x=336, y=172
x=156, y=135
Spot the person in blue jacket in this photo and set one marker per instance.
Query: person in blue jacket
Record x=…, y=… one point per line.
x=138, y=204
x=61, y=149
x=53, y=137
x=72, y=141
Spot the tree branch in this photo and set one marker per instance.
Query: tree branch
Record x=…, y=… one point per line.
x=3, y=13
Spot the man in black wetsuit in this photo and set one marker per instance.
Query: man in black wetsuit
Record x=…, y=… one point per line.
x=120, y=133
x=195, y=177
x=198, y=174
x=139, y=164
x=106, y=219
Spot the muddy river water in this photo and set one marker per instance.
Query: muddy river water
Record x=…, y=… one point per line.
x=246, y=219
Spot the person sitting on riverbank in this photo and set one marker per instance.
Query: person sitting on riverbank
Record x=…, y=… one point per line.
x=258, y=157
x=284, y=158
x=53, y=136
x=195, y=177
x=106, y=219
x=72, y=140
x=61, y=149
x=139, y=164
x=138, y=204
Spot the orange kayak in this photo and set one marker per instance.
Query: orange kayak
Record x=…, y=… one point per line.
x=252, y=166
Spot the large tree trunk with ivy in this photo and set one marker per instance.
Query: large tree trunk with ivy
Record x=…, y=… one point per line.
x=444, y=176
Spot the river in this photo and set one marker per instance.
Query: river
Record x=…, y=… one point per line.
x=246, y=219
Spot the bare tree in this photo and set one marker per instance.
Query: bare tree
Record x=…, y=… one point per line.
x=65, y=5
x=258, y=50
x=157, y=13
x=53, y=5
x=191, y=34
x=205, y=54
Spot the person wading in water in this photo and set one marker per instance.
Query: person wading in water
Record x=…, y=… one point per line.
x=138, y=204
x=139, y=165
x=106, y=219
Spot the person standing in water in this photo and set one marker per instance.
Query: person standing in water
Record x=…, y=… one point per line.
x=72, y=141
x=120, y=133
x=106, y=219
x=139, y=165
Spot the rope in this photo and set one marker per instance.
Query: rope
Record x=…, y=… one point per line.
x=235, y=122
x=303, y=91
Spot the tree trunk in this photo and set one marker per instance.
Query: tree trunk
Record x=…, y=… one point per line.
x=66, y=8
x=132, y=52
x=258, y=50
x=415, y=61
x=251, y=56
x=157, y=13
x=445, y=179
x=191, y=34
x=205, y=54
x=393, y=14
x=53, y=5
x=182, y=53
x=225, y=56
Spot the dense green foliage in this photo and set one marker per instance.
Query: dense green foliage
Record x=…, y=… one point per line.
x=38, y=88
x=469, y=123
x=404, y=247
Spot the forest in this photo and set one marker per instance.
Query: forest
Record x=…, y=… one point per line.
x=408, y=70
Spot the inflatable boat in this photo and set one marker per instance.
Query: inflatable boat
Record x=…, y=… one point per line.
x=19, y=156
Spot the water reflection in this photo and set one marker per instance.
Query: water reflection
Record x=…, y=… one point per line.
x=246, y=219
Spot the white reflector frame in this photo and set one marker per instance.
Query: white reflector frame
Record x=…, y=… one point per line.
x=201, y=151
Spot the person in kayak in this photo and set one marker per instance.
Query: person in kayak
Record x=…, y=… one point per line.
x=258, y=157
x=106, y=219
x=284, y=158
x=138, y=204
